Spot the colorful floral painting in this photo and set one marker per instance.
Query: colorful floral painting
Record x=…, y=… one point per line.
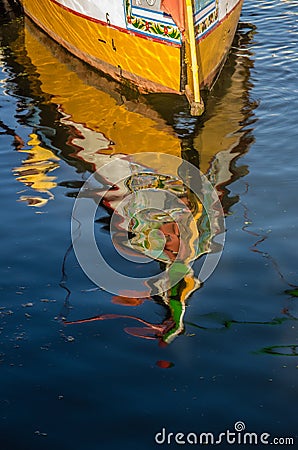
x=162, y=28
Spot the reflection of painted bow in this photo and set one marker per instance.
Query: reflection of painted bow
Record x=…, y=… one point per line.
x=150, y=331
x=174, y=300
x=165, y=332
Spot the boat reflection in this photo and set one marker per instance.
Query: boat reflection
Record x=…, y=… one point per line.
x=101, y=122
x=172, y=233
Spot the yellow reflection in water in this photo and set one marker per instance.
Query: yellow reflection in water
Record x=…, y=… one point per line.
x=34, y=172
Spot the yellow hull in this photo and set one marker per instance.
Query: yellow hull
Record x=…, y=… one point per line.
x=134, y=58
x=152, y=65
x=213, y=49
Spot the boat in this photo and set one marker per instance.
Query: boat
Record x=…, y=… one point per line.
x=169, y=46
x=67, y=126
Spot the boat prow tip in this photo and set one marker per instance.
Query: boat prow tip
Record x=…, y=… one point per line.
x=197, y=108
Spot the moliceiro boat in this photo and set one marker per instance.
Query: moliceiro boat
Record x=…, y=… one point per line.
x=170, y=46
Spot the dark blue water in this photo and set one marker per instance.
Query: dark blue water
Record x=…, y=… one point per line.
x=93, y=385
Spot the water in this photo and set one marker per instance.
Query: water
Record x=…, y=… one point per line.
x=95, y=384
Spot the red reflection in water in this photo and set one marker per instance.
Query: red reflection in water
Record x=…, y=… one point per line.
x=163, y=364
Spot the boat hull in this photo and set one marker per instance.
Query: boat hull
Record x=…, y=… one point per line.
x=153, y=61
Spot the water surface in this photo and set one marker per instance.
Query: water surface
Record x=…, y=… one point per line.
x=96, y=384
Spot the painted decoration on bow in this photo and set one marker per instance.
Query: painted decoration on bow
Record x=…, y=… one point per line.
x=205, y=16
x=145, y=17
